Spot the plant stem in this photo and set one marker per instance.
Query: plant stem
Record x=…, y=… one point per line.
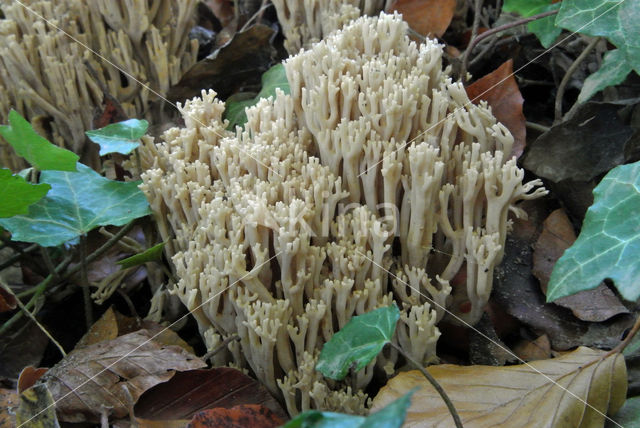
x=100, y=251
x=434, y=383
x=17, y=256
x=220, y=347
x=567, y=76
x=84, y=279
x=537, y=127
x=491, y=32
x=48, y=262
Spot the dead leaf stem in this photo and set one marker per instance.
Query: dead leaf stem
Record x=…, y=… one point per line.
x=84, y=279
x=434, y=383
x=474, y=42
x=567, y=76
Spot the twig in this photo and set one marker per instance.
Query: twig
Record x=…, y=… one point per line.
x=537, y=127
x=618, y=349
x=11, y=260
x=220, y=347
x=130, y=305
x=33, y=318
x=84, y=279
x=567, y=76
x=434, y=383
x=49, y=263
x=488, y=46
x=491, y=32
x=39, y=289
x=257, y=16
x=477, y=8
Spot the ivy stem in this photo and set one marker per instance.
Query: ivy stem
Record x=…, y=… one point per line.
x=567, y=76
x=434, y=383
x=84, y=279
x=474, y=42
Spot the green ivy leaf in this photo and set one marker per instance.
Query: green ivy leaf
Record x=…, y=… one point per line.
x=609, y=243
x=391, y=416
x=617, y=20
x=17, y=194
x=545, y=29
x=38, y=151
x=614, y=70
x=121, y=137
x=628, y=416
x=359, y=342
x=77, y=203
x=149, y=255
x=272, y=79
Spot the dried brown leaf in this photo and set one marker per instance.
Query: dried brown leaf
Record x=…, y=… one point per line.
x=593, y=305
x=244, y=415
x=8, y=405
x=189, y=392
x=517, y=396
x=430, y=18
x=113, y=374
x=29, y=376
x=500, y=90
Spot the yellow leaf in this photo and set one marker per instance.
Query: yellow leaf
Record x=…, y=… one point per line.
x=544, y=393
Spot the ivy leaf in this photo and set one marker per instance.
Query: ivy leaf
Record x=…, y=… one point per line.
x=609, y=243
x=17, y=194
x=149, y=255
x=617, y=20
x=272, y=79
x=121, y=137
x=359, y=342
x=38, y=151
x=545, y=29
x=390, y=416
x=614, y=70
x=77, y=203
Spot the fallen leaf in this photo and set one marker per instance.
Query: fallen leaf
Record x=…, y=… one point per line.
x=37, y=408
x=176, y=423
x=519, y=294
x=242, y=60
x=590, y=143
x=192, y=391
x=542, y=393
x=113, y=324
x=17, y=353
x=430, y=18
x=500, y=90
x=8, y=404
x=531, y=350
x=7, y=300
x=28, y=377
x=244, y=415
x=594, y=305
x=113, y=374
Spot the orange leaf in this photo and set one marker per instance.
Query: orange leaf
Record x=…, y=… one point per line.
x=500, y=90
x=7, y=301
x=430, y=18
x=244, y=415
x=29, y=376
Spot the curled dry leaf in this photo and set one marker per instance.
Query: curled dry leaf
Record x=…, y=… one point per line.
x=113, y=374
x=500, y=90
x=430, y=18
x=29, y=376
x=546, y=393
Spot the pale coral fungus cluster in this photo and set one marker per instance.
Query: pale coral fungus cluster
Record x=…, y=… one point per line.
x=374, y=181
x=44, y=45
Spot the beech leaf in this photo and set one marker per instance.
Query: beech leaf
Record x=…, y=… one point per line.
x=609, y=241
x=517, y=396
x=429, y=18
x=37, y=150
x=122, y=137
x=77, y=203
x=110, y=374
x=17, y=194
x=358, y=342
